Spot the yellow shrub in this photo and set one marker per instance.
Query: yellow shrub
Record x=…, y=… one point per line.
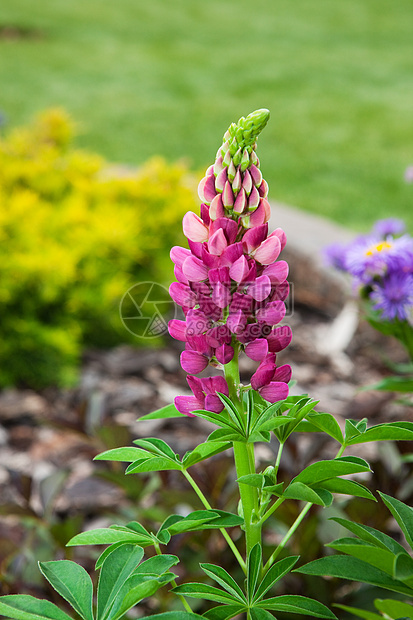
x=75, y=234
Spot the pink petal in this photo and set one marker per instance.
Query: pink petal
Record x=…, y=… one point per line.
x=277, y=272
x=280, y=338
x=272, y=313
x=236, y=322
x=257, y=350
x=211, y=385
x=254, y=199
x=256, y=175
x=263, y=189
x=197, y=322
x=220, y=180
x=240, y=203
x=187, y=404
x=194, y=269
x=205, y=214
x=227, y=196
x=267, y=209
x=268, y=251
x=231, y=254
x=239, y=270
x=194, y=228
x=254, y=237
x=242, y=302
x=178, y=255
x=260, y=289
x=195, y=383
x=182, y=295
x=221, y=295
x=283, y=373
x=258, y=217
x=177, y=329
x=278, y=232
x=217, y=243
x=179, y=275
x=247, y=182
x=216, y=209
x=206, y=189
x=193, y=362
x=229, y=227
x=262, y=376
x=224, y=353
x=213, y=403
x=274, y=391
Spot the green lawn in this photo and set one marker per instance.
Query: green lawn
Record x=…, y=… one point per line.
x=167, y=77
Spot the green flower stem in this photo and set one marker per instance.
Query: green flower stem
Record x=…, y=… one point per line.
x=340, y=452
x=207, y=505
x=271, y=509
x=277, y=462
x=173, y=582
x=287, y=536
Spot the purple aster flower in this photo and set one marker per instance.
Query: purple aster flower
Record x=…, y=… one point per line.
x=390, y=226
x=370, y=256
x=334, y=256
x=394, y=296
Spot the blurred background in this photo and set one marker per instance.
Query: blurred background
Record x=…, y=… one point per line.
x=110, y=114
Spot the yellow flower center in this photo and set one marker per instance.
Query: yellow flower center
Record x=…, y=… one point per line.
x=379, y=247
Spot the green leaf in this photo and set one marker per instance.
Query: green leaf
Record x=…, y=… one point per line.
x=403, y=568
x=403, y=515
x=26, y=607
x=157, y=565
x=224, y=612
x=371, y=535
x=238, y=418
x=170, y=411
x=253, y=480
x=326, y=423
x=273, y=411
x=216, y=418
x=325, y=470
x=274, y=574
x=380, y=558
x=347, y=487
x=225, y=580
x=204, y=451
x=260, y=614
x=254, y=567
x=174, y=615
x=205, y=592
x=347, y=567
x=105, y=536
x=156, y=463
x=127, y=455
x=105, y=554
x=158, y=447
x=116, y=569
x=393, y=384
x=273, y=423
x=361, y=613
x=226, y=434
x=300, y=491
x=298, y=411
x=394, y=609
x=194, y=521
x=389, y=431
x=298, y=604
x=132, y=592
x=73, y=583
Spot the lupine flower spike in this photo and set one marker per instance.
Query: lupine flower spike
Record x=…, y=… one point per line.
x=230, y=285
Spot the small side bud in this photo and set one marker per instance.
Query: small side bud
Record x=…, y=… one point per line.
x=245, y=160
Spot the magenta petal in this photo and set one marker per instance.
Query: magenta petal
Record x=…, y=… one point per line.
x=182, y=295
x=260, y=215
x=194, y=228
x=262, y=376
x=211, y=385
x=229, y=227
x=239, y=270
x=240, y=202
x=241, y=301
x=206, y=189
x=257, y=350
x=283, y=373
x=216, y=210
x=279, y=338
x=221, y=295
x=193, y=362
x=204, y=212
x=177, y=329
x=178, y=255
x=180, y=276
x=274, y=391
x=187, y=404
x=217, y=242
x=280, y=291
x=278, y=232
x=272, y=313
x=268, y=251
x=277, y=272
x=221, y=179
x=254, y=237
x=231, y=254
x=224, y=353
x=236, y=322
x=195, y=383
x=194, y=269
x=213, y=403
x=260, y=289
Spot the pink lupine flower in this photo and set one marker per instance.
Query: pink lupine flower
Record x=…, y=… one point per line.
x=231, y=287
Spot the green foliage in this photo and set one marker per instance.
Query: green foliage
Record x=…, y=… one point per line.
x=75, y=236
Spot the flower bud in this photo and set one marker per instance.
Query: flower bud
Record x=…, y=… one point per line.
x=227, y=196
x=221, y=180
x=247, y=182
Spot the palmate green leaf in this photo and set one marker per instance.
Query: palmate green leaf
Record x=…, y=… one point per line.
x=174, y=615
x=223, y=612
x=389, y=431
x=260, y=614
x=107, y=536
x=253, y=480
x=380, y=558
x=361, y=613
x=204, y=451
x=226, y=434
x=403, y=568
x=26, y=607
x=205, y=592
x=326, y=423
x=158, y=447
x=218, y=574
x=205, y=519
x=393, y=384
x=347, y=567
x=347, y=487
x=403, y=515
x=371, y=535
x=298, y=411
x=170, y=411
x=273, y=423
x=297, y=604
x=157, y=565
x=274, y=574
x=254, y=567
x=132, y=592
x=268, y=413
x=394, y=609
x=153, y=463
x=238, y=418
x=73, y=583
x=351, y=431
x=116, y=569
x=126, y=455
x=301, y=491
x=216, y=418
x=325, y=470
